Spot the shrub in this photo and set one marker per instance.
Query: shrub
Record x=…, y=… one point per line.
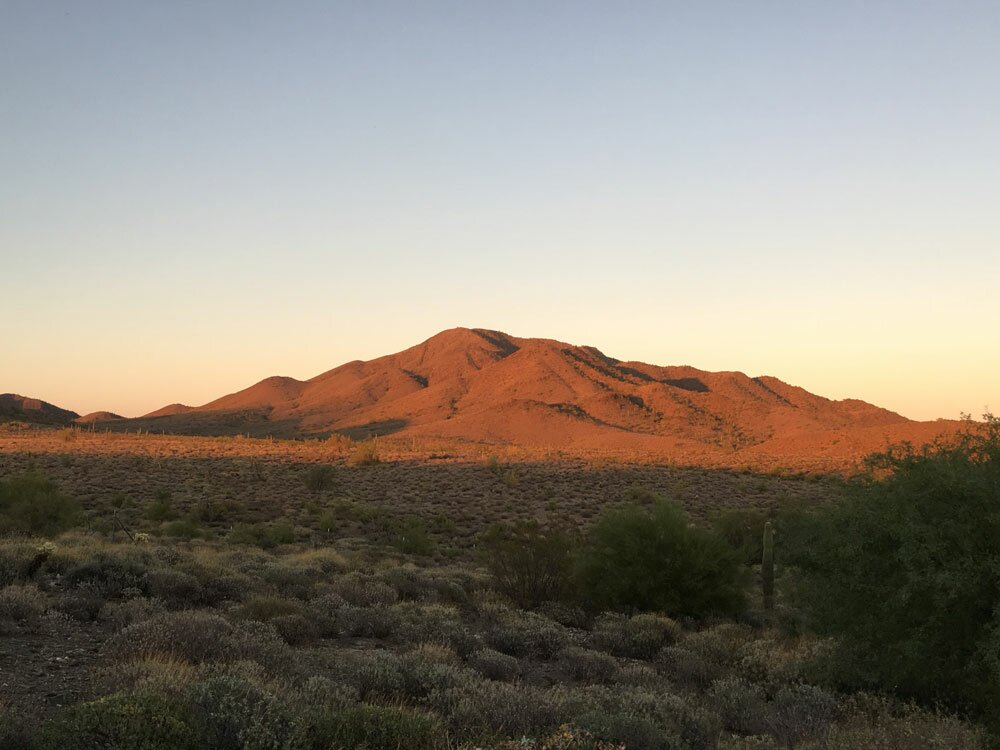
x=434, y=623
x=743, y=531
x=567, y=737
x=410, y=537
x=121, y=722
x=82, y=606
x=319, y=478
x=587, y=666
x=264, y=535
x=33, y=504
x=632, y=732
x=485, y=710
x=234, y=713
x=656, y=561
x=123, y=614
x=531, y=564
x=800, y=712
x=23, y=604
x=686, y=668
x=365, y=591
x=295, y=629
x=638, y=637
x=739, y=705
x=373, y=673
x=173, y=586
x=384, y=728
x=905, y=574
x=162, y=507
x=18, y=560
x=108, y=576
x=495, y=665
x=644, y=718
x=264, y=608
x=365, y=454
x=527, y=634
x=188, y=527
x=199, y=637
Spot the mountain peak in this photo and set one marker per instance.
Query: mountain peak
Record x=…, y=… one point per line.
x=485, y=385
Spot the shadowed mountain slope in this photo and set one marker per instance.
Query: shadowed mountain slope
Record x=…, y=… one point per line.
x=24, y=409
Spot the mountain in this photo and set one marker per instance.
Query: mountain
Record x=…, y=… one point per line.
x=24, y=409
x=98, y=416
x=487, y=386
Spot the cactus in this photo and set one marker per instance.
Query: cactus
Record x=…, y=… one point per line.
x=767, y=567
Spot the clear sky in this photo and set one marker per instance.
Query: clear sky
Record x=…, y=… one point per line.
x=196, y=195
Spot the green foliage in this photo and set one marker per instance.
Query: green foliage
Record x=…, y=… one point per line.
x=183, y=528
x=327, y=522
x=656, y=561
x=743, y=530
x=122, y=721
x=767, y=566
x=162, y=507
x=906, y=574
x=264, y=535
x=32, y=504
x=411, y=537
x=531, y=564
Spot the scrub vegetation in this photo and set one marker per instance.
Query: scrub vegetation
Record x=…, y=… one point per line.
x=173, y=617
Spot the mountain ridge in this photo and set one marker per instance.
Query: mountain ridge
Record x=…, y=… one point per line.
x=486, y=386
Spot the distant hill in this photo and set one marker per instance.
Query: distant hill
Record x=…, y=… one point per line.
x=98, y=416
x=15, y=408
x=487, y=386
x=169, y=411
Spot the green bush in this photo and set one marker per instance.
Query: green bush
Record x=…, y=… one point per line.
x=410, y=537
x=905, y=574
x=188, y=527
x=162, y=507
x=656, y=561
x=531, y=564
x=122, y=721
x=263, y=535
x=33, y=504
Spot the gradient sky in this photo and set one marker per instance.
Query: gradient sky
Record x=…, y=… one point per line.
x=196, y=195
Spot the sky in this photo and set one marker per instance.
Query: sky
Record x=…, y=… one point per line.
x=197, y=195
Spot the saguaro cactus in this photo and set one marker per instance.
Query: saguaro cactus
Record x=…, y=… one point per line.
x=767, y=567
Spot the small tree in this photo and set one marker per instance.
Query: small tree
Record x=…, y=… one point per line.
x=530, y=563
x=655, y=560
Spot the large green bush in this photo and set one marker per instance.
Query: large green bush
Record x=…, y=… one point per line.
x=655, y=560
x=906, y=574
x=33, y=504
